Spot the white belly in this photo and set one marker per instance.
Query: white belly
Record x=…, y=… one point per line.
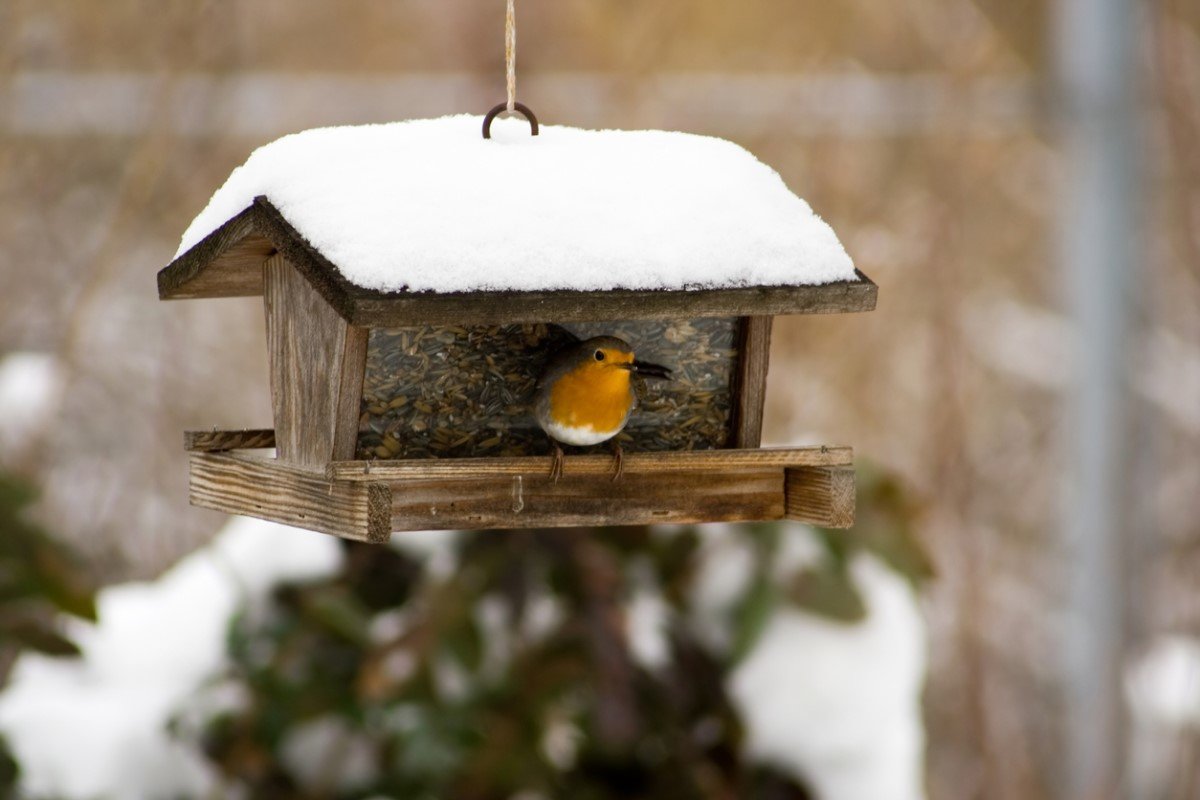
x=579, y=436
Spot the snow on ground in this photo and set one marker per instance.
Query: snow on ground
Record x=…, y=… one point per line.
x=30, y=388
x=1163, y=686
x=1162, y=690
x=95, y=726
x=646, y=628
x=838, y=706
x=857, y=688
x=431, y=205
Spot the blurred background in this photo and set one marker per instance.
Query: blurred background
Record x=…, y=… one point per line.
x=946, y=141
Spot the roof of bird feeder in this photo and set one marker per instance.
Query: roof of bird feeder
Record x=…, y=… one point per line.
x=402, y=223
x=426, y=223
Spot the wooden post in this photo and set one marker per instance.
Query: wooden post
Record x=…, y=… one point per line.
x=750, y=387
x=317, y=366
x=1100, y=107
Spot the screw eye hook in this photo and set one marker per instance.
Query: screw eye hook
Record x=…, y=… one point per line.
x=519, y=108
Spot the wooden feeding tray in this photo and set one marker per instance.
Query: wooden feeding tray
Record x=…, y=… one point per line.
x=368, y=500
x=410, y=410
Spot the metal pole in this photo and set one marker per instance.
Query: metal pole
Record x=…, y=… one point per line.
x=1098, y=234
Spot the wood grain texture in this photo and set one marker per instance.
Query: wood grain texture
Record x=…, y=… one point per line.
x=822, y=496
x=215, y=441
x=750, y=386
x=266, y=489
x=317, y=364
x=258, y=486
x=351, y=375
x=500, y=308
x=587, y=500
x=226, y=263
x=265, y=230
x=675, y=462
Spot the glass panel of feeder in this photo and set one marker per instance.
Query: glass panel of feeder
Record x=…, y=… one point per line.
x=464, y=391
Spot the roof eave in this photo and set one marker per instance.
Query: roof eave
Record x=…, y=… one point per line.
x=228, y=263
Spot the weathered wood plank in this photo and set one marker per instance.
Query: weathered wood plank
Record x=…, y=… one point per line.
x=587, y=500
x=317, y=364
x=690, y=461
x=351, y=375
x=750, y=387
x=226, y=263
x=215, y=441
x=497, y=308
x=266, y=230
x=822, y=496
x=266, y=489
x=369, y=511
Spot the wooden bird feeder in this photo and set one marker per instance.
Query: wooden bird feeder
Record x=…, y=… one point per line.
x=410, y=410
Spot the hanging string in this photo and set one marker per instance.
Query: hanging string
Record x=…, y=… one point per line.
x=510, y=54
x=510, y=70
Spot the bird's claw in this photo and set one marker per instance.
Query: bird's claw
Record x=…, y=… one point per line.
x=556, y=464
x=618, y=461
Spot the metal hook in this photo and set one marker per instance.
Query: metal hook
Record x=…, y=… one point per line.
x=520, y=108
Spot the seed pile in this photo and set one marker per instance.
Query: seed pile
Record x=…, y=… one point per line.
x=460, y=391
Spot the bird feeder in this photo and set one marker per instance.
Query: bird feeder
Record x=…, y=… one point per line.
x=416, y=278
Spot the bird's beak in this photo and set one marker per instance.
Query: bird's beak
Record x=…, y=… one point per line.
x=650, y=370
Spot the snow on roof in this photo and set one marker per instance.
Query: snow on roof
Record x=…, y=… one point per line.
x=431, y=205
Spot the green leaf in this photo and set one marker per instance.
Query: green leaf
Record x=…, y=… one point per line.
x=901, y=551
x=33, y=565
x=339, y=613
x=675, y=561
x=9, y=769
x=885, y=528
x=750, y=616
x=64, y=583
x=465, y=644
x=33, y=635
x=15, y=493
x=828, y=592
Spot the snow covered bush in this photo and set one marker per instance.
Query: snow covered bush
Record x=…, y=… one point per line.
x=39, y=579
x=765, y=661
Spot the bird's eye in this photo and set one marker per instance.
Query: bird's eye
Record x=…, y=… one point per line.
x=599, y=355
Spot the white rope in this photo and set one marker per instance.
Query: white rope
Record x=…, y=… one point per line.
x=510, y=53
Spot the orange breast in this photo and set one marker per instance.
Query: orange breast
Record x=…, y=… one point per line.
x=595, y=396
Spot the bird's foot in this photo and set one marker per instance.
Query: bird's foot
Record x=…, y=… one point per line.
x=556, y=464
x=618, y=460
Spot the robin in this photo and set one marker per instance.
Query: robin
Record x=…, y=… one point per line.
x=586, y=394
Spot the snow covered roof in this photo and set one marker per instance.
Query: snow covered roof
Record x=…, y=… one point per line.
x=429, y=206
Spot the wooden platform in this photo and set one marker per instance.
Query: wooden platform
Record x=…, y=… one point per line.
x=369, y=500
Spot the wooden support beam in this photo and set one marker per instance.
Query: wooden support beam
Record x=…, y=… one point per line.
x=684, y=461
x=750, y=387
x=216, y=441
x=821, y=495
x=317, y=366
x=266, y=489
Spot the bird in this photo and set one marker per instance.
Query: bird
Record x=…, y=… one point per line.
x=586, y=394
